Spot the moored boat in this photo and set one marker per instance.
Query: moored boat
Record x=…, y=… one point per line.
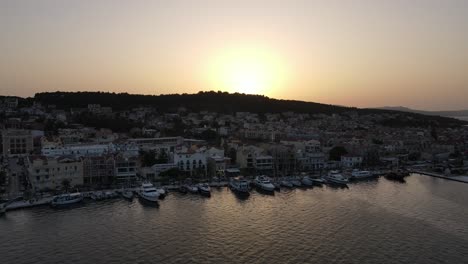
x=204, y=189
x=286, y=183
x=335, y=177
x=239, y=185
x=318, y=181
x=148, y=193
x=192, y=188
x=127, y=194
x=263, y=183
x=162, y=192
x=296, y=182
x=396, y=176
x=66, y=199
x=2, y=209
x=361, y=174
x=307, y=181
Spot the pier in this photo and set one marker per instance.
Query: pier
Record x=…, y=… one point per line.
x=463, y=179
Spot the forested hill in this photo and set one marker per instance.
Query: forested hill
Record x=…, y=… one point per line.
x=223, y=102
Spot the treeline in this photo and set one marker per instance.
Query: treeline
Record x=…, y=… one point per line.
x=223, y=102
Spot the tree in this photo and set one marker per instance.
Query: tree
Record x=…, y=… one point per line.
x=337, y=152
x=2, y=177
x=148, y=158
x=66, y=184
x=162, y=157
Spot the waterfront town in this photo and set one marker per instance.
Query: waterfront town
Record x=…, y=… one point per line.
x=48, y=151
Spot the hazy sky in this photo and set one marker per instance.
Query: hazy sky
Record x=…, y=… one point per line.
x=360, y=53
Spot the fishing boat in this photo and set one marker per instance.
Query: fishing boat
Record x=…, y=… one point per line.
x=239, y=185
x=204, y=189
x=263, y=183
x=149, y=193
x=335, y=177
x=66, y=199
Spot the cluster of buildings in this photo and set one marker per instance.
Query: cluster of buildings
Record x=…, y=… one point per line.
x=46, y=149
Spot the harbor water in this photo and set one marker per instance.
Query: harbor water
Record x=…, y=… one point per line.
x=424, y=220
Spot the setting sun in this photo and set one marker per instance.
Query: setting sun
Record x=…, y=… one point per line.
x=248, y=71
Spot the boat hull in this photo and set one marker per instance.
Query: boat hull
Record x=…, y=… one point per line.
x=66, y=203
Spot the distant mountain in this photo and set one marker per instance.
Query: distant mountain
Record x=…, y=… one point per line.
x=229, y=103
x=454, y=113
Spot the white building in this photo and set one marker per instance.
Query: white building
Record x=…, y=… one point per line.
x=351, y=161
x=191, y=161
x=54, y=149
x=50, y=173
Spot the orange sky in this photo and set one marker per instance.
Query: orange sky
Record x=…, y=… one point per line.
x=357, y=53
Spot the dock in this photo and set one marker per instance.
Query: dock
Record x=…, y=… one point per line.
x=463, y=179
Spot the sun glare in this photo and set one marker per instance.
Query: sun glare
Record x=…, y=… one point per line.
x=246, y=71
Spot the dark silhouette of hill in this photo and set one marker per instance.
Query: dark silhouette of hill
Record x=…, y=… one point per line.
x=223, y=102
x=452, y=113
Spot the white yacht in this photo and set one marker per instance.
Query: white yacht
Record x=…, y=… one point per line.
x=149, y=193
x=335, y=176
x=240, y=185
x=359, y=174
x=264, y=183
x=204, y=189
x=307, y=181
x=66, y=199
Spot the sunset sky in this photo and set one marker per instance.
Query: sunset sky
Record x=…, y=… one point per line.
x=358, y=53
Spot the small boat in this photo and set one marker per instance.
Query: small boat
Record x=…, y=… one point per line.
x=162, y=193
x=286, y=183
x=296, y=182
x=359, y=175
x=183, y=189
x=97, y=196
x=110, y=194
x=277, y=185
x=204, y=189
x=318, y=181
x=307, y=181
x=66, y=199
x=149, y=193
x=264, y=184
x=395, y=176
x=240, y=186
x=336, y=177
x=192, y=189
x=2, y=209
x=127, y=194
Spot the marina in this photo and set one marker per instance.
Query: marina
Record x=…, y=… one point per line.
x=239, y=185
x=373, y=221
